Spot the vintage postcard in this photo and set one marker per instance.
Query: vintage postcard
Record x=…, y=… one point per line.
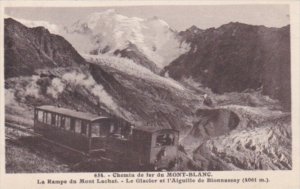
x=150, y=94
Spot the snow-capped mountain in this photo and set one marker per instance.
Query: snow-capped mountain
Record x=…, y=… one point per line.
x=108, y=31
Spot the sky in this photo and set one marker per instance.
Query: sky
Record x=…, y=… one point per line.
x=178, y=17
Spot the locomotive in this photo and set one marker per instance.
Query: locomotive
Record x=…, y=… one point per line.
x=108, y=138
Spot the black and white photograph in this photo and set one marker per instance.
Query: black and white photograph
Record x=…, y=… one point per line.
x=148, y=88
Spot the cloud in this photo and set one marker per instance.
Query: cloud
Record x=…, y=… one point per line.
x=33, y=89
x=56, y=87
x=74, y=78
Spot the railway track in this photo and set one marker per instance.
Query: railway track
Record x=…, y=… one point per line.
x=30, y=132
x=20, y=128
x=13, y=137
x=10, y=137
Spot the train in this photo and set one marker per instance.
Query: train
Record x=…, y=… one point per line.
x=108, y=138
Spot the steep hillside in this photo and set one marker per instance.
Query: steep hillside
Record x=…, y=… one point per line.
x=133, y=53
x=28, y=49
x=235, y=57
x=150, y=99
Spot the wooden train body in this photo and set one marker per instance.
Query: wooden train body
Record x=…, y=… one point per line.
x=109, y=138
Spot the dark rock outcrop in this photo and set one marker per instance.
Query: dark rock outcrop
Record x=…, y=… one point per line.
x=133, y=53
x=28, y=49
x=235, y=57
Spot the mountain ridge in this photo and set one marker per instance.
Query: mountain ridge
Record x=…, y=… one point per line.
x=23, y=46
x=236, y=57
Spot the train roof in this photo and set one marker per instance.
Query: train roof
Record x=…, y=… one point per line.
x=93, y=117
x=154, y=129
x=71, y=113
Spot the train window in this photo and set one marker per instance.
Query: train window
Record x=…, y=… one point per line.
x=165, y=140
x=49, y=118
x=67, y=123
x=112, y=128
x=58, y=120
x=77, y=125
x=83, y=128
x=116, y=131
x=72, y=125
x=40, y=116
x=62, y=121
x=104, y=129
x=95, y=130
x=87, y=128
x=44, y=117
x=127, y=131
x=35, y=114
x=53, y=119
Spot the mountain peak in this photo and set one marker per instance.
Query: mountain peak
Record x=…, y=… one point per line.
x=109, y=30
x=236, y=25
x=190, y=33
x=12, y=22
x=52, y=28
x=193, y=27
x=29, y=49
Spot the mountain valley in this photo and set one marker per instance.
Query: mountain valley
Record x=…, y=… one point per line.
x=153, y=76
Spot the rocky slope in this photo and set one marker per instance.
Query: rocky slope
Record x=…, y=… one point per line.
x=264, y=145
x=150, y=100
x=29, y=49
x=235, y=57
x=133, y=53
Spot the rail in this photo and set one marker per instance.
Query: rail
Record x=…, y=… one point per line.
x=31, y=131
